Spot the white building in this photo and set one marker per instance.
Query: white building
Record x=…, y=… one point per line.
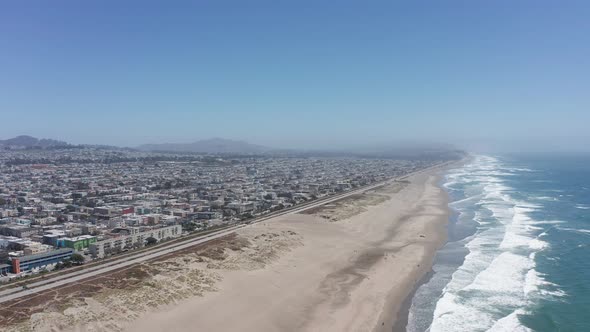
x=135, y=238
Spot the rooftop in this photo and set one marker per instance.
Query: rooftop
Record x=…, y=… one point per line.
x=28, y=258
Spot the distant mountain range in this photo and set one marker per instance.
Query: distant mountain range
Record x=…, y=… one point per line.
x=406, y=150
x=213, y=145
x=25, y=141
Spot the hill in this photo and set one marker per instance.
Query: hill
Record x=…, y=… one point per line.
x=25, y=141
x=214, y=145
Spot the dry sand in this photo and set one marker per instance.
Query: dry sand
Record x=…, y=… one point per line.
x=350, y=275
x=345, y=267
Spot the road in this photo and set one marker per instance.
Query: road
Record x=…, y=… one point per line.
x=64, y=279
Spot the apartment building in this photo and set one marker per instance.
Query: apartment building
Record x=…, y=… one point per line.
x=132, y=238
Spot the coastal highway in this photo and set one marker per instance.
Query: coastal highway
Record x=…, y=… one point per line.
x=129, y=260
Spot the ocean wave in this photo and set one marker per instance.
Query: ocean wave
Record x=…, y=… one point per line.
x=503, y=278
x=548, y=222
x=450, y=185
x=536, y=285
x=465, y=200
x=519, y=229
x=510, y=323
x=519, y=169
x=545, y=198
x=498, y=273
x=574, y=230
x=475, y=261
x=582, y=207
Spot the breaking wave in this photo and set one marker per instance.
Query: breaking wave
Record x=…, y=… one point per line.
x=497, y=279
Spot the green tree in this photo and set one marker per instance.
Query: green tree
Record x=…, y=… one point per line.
x=189, y=226
x=151, y=241
x=77, y=258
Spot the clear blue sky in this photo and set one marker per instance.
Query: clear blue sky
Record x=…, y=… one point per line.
x=296, y=73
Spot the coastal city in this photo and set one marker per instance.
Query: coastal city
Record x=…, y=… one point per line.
x=69, y=206
x=389, y=166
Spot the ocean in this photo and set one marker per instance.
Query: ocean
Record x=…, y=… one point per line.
x=518, y=254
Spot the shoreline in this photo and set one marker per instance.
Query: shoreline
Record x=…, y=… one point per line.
x=402, y=316
x=401, y=324
x=397, y=310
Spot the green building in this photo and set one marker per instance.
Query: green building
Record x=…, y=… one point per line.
x=78, y=243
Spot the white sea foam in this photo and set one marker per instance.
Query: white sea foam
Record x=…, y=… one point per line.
x=582, y=231
x=546, y=198
x=547, y=222
x=503, y=277
x=450, y=185
x=537, y=244
x=519, y=169
x=510, y=323
x=476, y=260
x=452, y=315
x=533, y=281
x=519, y=229
x=465, y=200
x=536, y=285
x=582, y=207
x=499, y=272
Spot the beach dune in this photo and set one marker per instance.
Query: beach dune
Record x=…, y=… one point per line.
x=350, y=273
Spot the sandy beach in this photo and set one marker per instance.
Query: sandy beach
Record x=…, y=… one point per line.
x=346, y=266
x=351, y=274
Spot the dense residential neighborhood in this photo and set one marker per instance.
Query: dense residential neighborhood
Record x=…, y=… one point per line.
x=98, y=202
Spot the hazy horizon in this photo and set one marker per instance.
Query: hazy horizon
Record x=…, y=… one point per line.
x=481, y=76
